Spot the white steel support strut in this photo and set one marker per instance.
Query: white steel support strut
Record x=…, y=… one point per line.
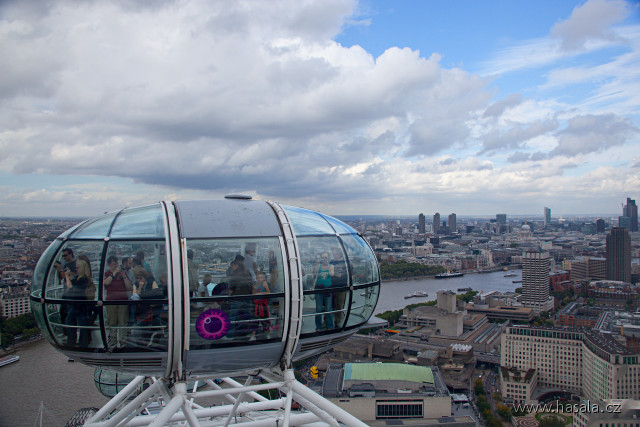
x=177, y=406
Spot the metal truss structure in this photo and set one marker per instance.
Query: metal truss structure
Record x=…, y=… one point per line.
x=175, y=405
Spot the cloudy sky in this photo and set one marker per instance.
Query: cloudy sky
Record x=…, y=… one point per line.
x=347, y=107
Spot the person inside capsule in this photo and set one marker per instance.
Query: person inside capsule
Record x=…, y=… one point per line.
x=324, y=301
x=117, y=284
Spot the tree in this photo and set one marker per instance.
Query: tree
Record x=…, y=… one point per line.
x=504, y=411
x=467, y=296
x=478, y=387
x=551, y=421
x=391, y=316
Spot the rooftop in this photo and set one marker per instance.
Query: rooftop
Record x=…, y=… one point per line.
x=387, y=371
x=606, y=343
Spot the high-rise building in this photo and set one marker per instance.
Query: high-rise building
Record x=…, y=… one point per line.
x=547, y=217
x=619, y=255
x=421, y=224
x=501, y=223
x=630, y=210
x=536, y=267
x=624, y=222
x=600, y=225
x=436, y=223
x=453, y=227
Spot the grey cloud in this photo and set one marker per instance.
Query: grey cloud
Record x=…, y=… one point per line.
x=497, y=108
x=516, y=136
x=538, y=156
x=321, y=19
x=518, y=157
x=590, y=21
x=593, y=133
x=446, y=109
x=484, y=167
x=449, y=161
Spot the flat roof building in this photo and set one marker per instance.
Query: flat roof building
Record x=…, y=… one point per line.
x=378, y=393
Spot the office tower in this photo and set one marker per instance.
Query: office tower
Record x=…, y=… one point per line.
x=452, y=223
x=619, y=255
x=600, y=225
x=547, y=217
x=421, y=226
x=535, y=281
x=501, y=221
x=630, y=210
x=624, y=222
x=436, y=223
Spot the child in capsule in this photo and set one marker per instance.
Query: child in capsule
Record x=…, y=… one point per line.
x=261, y=306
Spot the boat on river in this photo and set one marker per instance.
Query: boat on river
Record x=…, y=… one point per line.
x=8, y=359
x=417, y=294
x=448, y=275
x=464, y=289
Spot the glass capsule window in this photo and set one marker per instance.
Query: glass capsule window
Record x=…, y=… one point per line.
x=307, y=223
x=339, y=273
x=141, y=222
x=40, y=272
x=362, y=260
x=236, y=291
x=135, y=295
x=96, y=228
x=92, y=299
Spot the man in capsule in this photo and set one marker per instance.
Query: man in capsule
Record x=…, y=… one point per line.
x=117, y=285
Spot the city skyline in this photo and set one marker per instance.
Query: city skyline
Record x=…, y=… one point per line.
x=346, y=107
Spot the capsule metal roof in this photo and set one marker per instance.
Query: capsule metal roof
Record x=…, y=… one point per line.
x=226, y=218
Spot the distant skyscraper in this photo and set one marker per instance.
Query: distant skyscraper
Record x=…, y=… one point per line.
x=547, y=217
x=536, y=267
x=501, y=219
x=630, y=210
x=421, y=225
x=600, y=225
x=436, y=223
x=453, y=227
x=619, y=255
x=624, y=222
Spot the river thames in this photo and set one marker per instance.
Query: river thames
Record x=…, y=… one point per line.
x=44, y=375
x=392, y=294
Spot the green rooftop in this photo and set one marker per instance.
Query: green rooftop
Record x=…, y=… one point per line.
x=388, y=371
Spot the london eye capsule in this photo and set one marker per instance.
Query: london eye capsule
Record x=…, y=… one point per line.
x=204, y=287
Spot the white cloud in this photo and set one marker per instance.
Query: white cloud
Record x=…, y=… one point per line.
x=194, y=98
